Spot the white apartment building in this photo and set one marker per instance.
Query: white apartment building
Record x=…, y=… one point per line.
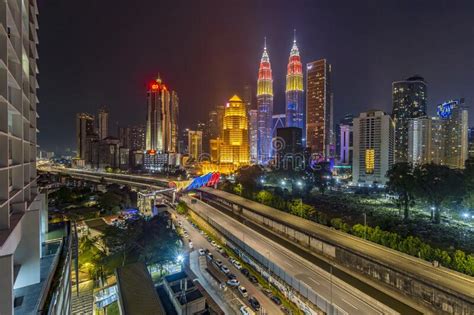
x=20, y=201
x=373, y=133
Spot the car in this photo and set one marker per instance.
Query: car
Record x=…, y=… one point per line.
x=213, y=243
x=233, y=282
x=253, y=279
x=222, y=251
x=210, y=256
x=244, y=310
x=231, y=276
x=232, y=260
x=225, y=269
x=202, y=252
x=245, y=272
x=237, y=265
x=276, y=300
x=225, y=254
x=243, y=291
x=218, y=263
x=201, y=232
x=191, y=245
x=186, y=235
x=254, y=303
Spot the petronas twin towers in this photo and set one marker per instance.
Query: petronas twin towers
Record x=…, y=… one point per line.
x=294, y=109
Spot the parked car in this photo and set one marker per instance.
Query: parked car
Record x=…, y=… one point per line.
x=245, y=272
x=190, y=245
x=245, y=310
x=254, y=303
x=243, y=291
x=225, y=269
x=253, y=279
x=202, y=252
x=276, y=300
x=210, y=256
x=237, y=265
x=231, y=276
x=213, y=243
x=233, y=282
x=218, y=263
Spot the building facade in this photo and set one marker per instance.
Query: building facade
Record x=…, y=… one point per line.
x=319, y=109
x=137, y=138
x=235, y=147
x=264, y=109
x=22, y=206
x=253, y=135
x=373, y=147
x=346, y=152
x=409, y=101
x=289, y=151
x=278, y=121
x=103, y=123
x=294, y=90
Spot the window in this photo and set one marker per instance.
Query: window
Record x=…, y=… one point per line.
x=369, y=161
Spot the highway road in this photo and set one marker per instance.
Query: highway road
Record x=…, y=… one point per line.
x=314, y=277
x=200, y=242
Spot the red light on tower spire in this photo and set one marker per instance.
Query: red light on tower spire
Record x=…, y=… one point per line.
x=265, y=79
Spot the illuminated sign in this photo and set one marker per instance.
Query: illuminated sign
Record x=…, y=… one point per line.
x=155, y=86
x=445, y=110
x=151, y=152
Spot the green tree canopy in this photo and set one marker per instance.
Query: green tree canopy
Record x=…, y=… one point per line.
x=401, y=182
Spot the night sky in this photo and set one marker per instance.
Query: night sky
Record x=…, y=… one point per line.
x=95, y=53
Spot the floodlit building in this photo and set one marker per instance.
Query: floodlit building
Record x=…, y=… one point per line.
x=425, y=141
x=278, y=121
x=137, y=138
x=195, y=144
x=294, y=90
x=470, y=136
x=215, y=146
x=409, y=99
x=319, y=109
x=373, y=133
x=235, y=147
x=264, y=109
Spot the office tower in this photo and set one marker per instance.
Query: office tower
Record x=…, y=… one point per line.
x=206, y=135
x=373, y=147
x=294, y=90
x=289, y=151
x=195, y=144
x=253, y=134
x=213, y=125
x=124, y=136
x=425, y=140
x=454, y=118
x=174, y=131
x=220, y=109
x=264, y=109
x=103, y=123
x=137, y=138
x=235, y=147
x=409, y=101
x=215, y=147
x=105, y=153
x=278, y=121
x=84, y=131
x=162, y=112
x=319, y=108
x=346, y=143
x=23, y=268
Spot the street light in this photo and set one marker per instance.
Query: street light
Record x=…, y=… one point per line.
x=299, y=183
x=180, y=258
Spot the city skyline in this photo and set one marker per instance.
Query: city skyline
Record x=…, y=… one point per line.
x=362, y=75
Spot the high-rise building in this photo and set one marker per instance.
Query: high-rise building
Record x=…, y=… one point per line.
x=103, y=123
x=319, y=109
x=124, y=136
x=206, y=135
x=220, y=109
x=24, y=269
x=294, y=90
x=213, y=125
x=195, y=144
x=137, y=138
x=373, y=147
x=84, y=131
x=470, y=140
x=253, y=134
x=408, y=101
x=264, y=109
x=454, y=118
x=235, y=147
x=161, y=124
x=346, y=142
x=425, y=140
x=248, y=96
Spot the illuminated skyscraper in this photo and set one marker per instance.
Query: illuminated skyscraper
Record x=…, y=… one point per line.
x=264, y=108
x=195, y=144
x=84, y=130
x=235, y=146
x=294, y=90
x=409, y=101
x=253, y=134
x=319, y=117
x=162, y=117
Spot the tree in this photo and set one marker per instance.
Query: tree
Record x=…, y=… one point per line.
x=437, y=184
x=297, y=207
x=182, y=208
x=110, y=201
x=401, y=182
x=248, y=177
x=265, y=197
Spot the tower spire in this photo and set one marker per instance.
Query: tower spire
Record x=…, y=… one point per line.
x=265, y=42
x=294, y=35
